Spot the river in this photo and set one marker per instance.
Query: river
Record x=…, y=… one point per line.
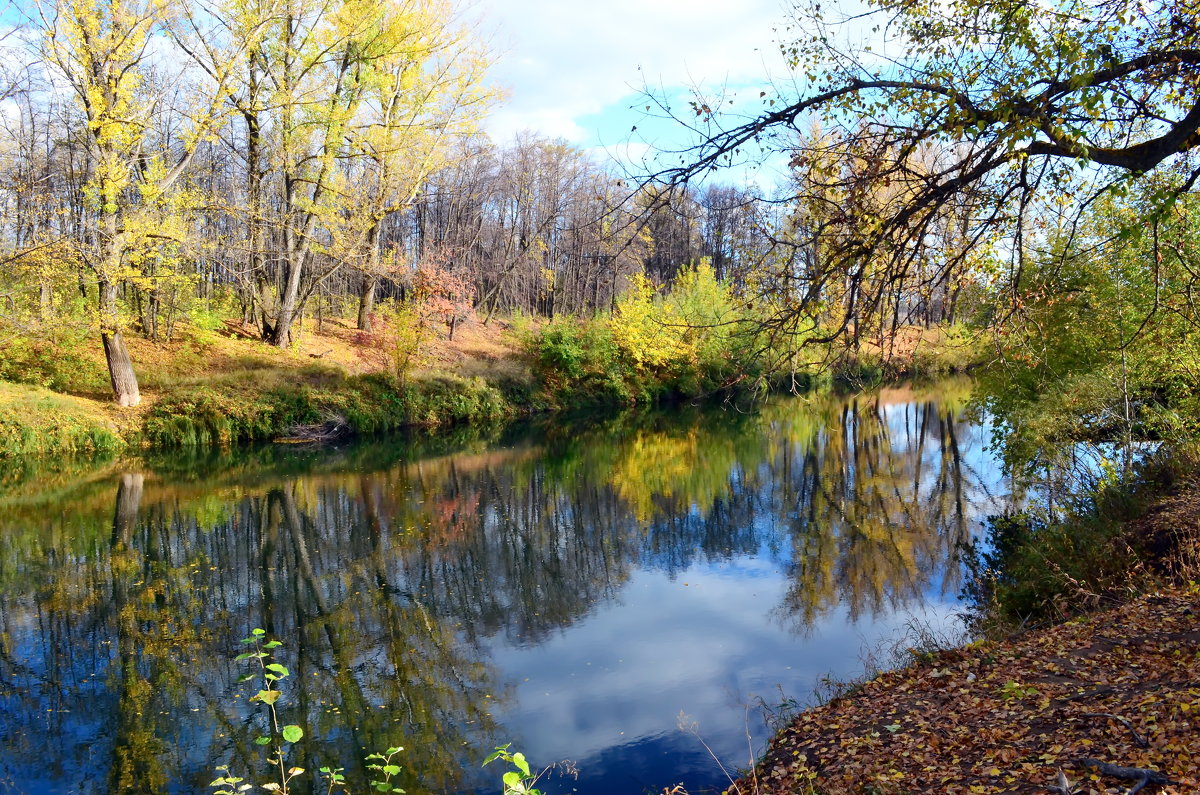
x=628, y=594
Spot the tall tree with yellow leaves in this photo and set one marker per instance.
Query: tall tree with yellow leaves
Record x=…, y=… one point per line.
x=101, y=49
x=362, y=98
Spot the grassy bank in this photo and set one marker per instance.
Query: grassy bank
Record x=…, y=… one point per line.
x=214, y=385
x=221, y=416
x=1105, y=546
x=218, y=386
x=35, y=421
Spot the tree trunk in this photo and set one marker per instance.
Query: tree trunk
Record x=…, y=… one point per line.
x=129, y=502
x=288, y=303
x=366, y=302
x=45, y=301
x=120, y=366
x=366, y=299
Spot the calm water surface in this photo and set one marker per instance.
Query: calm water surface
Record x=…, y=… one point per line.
x=572, y=590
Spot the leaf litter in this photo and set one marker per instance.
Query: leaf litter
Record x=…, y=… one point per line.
x=1105, y=703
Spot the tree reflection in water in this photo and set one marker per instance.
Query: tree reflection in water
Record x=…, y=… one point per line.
x=391, y=575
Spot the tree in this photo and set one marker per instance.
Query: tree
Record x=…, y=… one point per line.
x=1107, y=347
x=427, y=95
x=442, y=294
x=363, y=92
x=1026, y=110
x=101, y=50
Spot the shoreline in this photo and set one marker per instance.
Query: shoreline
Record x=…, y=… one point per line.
x=1104, y=694
x=221, y=387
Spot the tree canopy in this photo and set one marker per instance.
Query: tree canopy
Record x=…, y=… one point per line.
x=997, y=120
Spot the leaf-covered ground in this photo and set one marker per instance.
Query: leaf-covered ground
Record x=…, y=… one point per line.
x=1120, y=687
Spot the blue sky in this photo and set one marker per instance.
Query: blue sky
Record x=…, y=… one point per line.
x=576, y=69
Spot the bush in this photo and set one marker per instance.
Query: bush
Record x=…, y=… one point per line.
x=578, y=363
x=1029, y=570
x=952, y=349
x=1041, y=565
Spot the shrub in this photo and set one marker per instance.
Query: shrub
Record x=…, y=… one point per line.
x=397, y=346
x=579, y=363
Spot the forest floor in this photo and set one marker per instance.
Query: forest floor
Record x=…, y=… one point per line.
x=1085, y=706
x=487, y=351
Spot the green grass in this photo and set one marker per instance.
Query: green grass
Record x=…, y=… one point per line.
x=229, y=411
x=37, y=422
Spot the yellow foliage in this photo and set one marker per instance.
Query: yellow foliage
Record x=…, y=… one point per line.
x=651, y=334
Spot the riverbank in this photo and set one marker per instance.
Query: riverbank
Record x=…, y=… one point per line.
x=222, y=387
x=1103, y=698
x=218, y=386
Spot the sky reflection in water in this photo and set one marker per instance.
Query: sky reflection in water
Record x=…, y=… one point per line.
x=572, y=590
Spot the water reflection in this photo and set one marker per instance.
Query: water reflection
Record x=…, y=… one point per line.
x=569, y=590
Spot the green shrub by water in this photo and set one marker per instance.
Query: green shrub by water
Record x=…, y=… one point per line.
x=1046, y=565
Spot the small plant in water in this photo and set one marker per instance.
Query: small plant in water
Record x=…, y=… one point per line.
x=269, y=673
x=519, y=780
x=382, y=766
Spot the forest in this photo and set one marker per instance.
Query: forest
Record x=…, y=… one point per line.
x=171, y=166
x=232, y=222
x=1005, y=191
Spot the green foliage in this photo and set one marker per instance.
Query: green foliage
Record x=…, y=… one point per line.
x=449, y=400
x=207, y=316
x=954, y=349
x=860, y=372
x=266, y=674
x=692, y=340
x=578, y=363
x=406, y=339
x=1103, y=347
x=50, y=355
x=381, y=765
x=716, y=334
x=519, y=780
x=1051, y=562
x=224, y=416
x=1030, y=569
x=398, y=346
x=209, y=417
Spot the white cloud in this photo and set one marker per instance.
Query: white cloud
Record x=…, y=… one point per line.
x=565, y=60
x=704, y=642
